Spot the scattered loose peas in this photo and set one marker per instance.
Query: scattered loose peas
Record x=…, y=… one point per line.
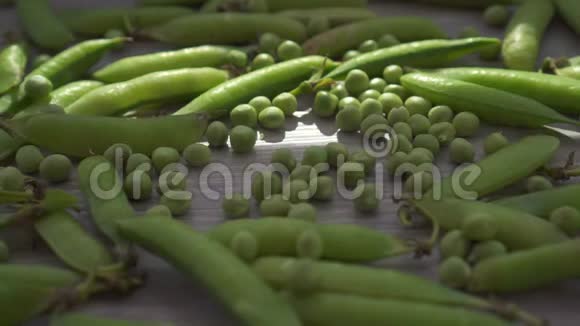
x=236, y=206
x=197, y=155
x=392, y=74
x=288, y=50
x=237, y=58
x=420, y=124
x=351, y=54
x=217, y=134
x=11, y=179
x=348, y=102
x=138, y=185
x=349, y=119
x=461, y=151
x=276, y=205
x=418, y=183
x=443, y=131
x=369, y=94
x=243, y=139
x=454, y=244
x=339, y=90
x=389, y=102
x=244, y=115
x=538, y=183
x=262, y=60
x=272, y=118
x=297, y=191
x=388, y=40
x=309, y=244
x=486, y=250
x=441, y=113
x=56, y=168
x=315, y=155
x=337, y=154
x=265, y=184
x=269, y=42
x=28, y=159
x=245, y=246
x=466, y=124
x=159, y=210
x=285, y=157
x=350, y=173
x=479, y=227
x=375, y=123
x=403, y=144
x=260, y=103
x=395, y=160
x=325, y=104
x=371, y=106
x=377, y=84
x=356, y=82
x=368, y=46
x=496, y=15
x=37, y=87
x=367, y=201
x=403, y=128
x=400, y=114
x=138, y=161
x=325, y=188
x=396, y=89
x=567, y=218
x=163, y=156
x=454, y=272
x=286, y=102
x=303, y=211
x=118, y=153
x=418, y=105
x=177, y=206
x=494, y=142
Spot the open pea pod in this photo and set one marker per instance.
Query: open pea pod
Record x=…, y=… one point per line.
x=12, y=65
x=86, y=320
x=543, y=203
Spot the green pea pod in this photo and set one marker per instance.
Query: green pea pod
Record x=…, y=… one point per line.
x=133, y=67
x=69, y=93
x=327, y=309
x=8, y=145
x=213, y=264
x=562, y=94
x=338, y=40
x=525, y=31
x=12, y=65
x=83, y=136
x=278, y=237
x=336, y=15
x=570, y=11
x=279, y=5
x=42, y=25
x=570, y=72
x=11, y=197
x=56, y=200
x=492, y=105
x=97, y=22
x=527, y=270
x=229, y=28
x=430, y=53
x=476, y=4
x=269, y=81
x=86, y=320
x=517, y=230
x=157, y=87
x=37, y=276
x=169, y=2
x=543, y=203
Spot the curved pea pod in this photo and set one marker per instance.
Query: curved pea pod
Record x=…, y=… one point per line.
x=229, y=28
x=42, y=25
x=492, y=105
x=430, y=53
x=232, y=281
x=133, y=67
x=268, y=81
x=515, y=229
x=82, y=136
x=327, y=309
x=97, y=22
x=524, y=34
x=278, y=5
x=543, y=203
x=157, y=87
x=532, y=153
x=560, y=93
x=86, y=320
x=340, y=39
x=278, y=236
x=336, y=15
x=69, y=93
x=527, y=270
x=12, y=66
x=8, y=145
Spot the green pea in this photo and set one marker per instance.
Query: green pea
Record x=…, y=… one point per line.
x=356, y=82
x=177, y=206
x=348, y=102
x=349, y=55
x=377, y=84
x=388, y=40
x=159, y=210
x=285, y=157
x=369, y=94
x=37, y=87
x=309, y=244
x=272, y=118
x=339, y=90
x=496, y=15
x=172, y=181
x=351, y=173
x=494, y=142
x=367, y=201
x=567, y=218
x=317, y=25
x=138, y=161
x=118, y=152
x=468, y=32
x=40, y=60
x=403, y=128
x=365, y=159
x=395, y=160
x=287, y=103
x=237, y=58
x=262, y=60
x=265, y=184
x=454, y=244
x=390, y=101
x=138, y=185
x=392, y=74
x=479, y=227
x=443, y=131
x=303, y=172
x=420, y=124
x=289, y=50
x=56, y=168
x=349, y=119
x=269, y=42
x=325, y=188
x=303, y=211
x=28, y=159
x=371, y=106
x=400, y=114
x=538, y=183
x=276, y=206
x=325, y=104
x=461, y=151
x=374, y=122
x=486, y=250
x=4, y=252
x=197, y=155
x=244, y=115
x=396, y=89
x=419, y=183
x=236, y=207
x=243, y=139
x=418, y=156
x=441, y=113
x=297, y=191
x=11, y=179
x=163, y=156
x=245, y=245
x=337, y=154
x=315, y=155
x=217, y=134
x=418, y=105
x=466, y=124
x=368, y=46
x=454, y=272
x=403, y=144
